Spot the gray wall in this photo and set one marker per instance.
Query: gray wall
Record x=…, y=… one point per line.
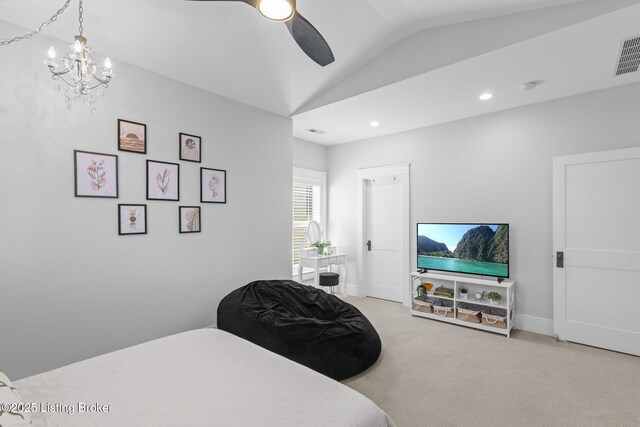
x=70, y=287
x=308, y=155
x=493, y=168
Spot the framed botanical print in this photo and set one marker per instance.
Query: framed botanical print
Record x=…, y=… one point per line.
x=95, y=174
x=189, y=219
x=132, y=136
x=132, y=219
x=190, y=148
x=213, y=185
x=163, y=181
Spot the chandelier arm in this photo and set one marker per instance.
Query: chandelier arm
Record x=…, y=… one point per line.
x=60, y=77
x=101, y=80
x=30, y=34
x=58, y=73
x=99, y=84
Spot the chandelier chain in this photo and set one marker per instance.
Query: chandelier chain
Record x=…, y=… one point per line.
x=42, y=26
x=81, y=19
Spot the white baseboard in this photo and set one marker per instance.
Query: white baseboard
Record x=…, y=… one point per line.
x=538, y=325
x=353, y=290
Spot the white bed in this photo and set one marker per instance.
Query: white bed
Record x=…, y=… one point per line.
x=204, y=377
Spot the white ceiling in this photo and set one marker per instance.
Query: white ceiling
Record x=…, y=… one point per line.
x=226, y=48
x=575, y=59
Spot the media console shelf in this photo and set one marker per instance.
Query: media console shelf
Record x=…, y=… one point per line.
x=507, y=289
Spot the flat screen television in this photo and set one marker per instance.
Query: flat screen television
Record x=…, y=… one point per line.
x=480, y=249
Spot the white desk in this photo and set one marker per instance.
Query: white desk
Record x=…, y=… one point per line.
x=321, y=261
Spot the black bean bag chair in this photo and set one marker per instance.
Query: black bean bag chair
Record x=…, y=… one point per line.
x=303, y=324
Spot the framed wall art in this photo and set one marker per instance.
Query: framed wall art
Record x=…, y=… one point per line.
x=132, y=219
x=163, y=181
x=190, y=148
x=213, y=185
x=132, y=136
x=95, y=174
x=189, y=219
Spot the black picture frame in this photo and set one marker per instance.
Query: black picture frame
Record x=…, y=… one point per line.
x=120, y=225
x=180, y=220
x=81, y=190
x=132, y=142
x=151, y=196
x=182, y=153
x=203, y=185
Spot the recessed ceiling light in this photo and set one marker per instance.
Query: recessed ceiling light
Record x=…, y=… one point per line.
x=374, y=124
x=486, y=96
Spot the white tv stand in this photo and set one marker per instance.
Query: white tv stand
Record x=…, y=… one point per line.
x=506, y=288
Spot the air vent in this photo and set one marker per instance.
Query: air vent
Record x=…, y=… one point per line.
x=629, y=57
x=317, y=131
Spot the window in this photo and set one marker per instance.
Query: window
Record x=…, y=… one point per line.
x=308, y=205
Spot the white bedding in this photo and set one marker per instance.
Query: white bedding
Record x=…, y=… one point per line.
x=199, y=378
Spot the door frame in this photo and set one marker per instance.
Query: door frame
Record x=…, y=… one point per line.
x=561, y=328
x=362, y=201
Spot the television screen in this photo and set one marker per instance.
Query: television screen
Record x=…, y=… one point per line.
x=481, y=249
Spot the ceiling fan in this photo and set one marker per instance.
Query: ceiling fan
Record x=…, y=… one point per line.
x=308, y=38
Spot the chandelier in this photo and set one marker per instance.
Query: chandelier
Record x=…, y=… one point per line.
x=78, y=76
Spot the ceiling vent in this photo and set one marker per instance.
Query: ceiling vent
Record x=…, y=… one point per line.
x=629, y=56
x=316, y=131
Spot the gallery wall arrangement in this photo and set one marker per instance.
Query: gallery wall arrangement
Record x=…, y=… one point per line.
x=96, y=175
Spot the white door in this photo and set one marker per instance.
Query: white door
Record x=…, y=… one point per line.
x=596, y=228
x=385, y=227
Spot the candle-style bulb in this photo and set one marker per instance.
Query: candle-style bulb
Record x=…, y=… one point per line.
x=77, y=46
x=107, y=63
x=51, y=53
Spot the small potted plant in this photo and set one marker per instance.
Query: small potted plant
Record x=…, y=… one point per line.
x=494, y=297
x=320, y=246
x=464, y=293
x=422, y=292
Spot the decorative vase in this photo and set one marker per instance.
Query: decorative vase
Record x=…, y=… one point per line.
x=464, y=296
x=494, y=302
x=320, y=251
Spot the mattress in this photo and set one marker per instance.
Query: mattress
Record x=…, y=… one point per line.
x=204, y=377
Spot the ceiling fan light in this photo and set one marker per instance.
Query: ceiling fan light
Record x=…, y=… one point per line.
x=276, y=10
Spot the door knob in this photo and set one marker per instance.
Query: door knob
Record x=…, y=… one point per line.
x=560, y=259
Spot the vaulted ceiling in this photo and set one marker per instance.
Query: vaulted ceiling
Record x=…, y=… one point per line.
x=405, y=63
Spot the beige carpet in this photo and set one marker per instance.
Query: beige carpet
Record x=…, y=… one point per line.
x=436, y=374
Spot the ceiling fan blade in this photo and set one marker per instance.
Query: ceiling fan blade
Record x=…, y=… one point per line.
x=253, y=3
x=310, y=40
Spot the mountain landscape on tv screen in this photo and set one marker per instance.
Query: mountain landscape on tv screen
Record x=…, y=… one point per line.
x=481, y=250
